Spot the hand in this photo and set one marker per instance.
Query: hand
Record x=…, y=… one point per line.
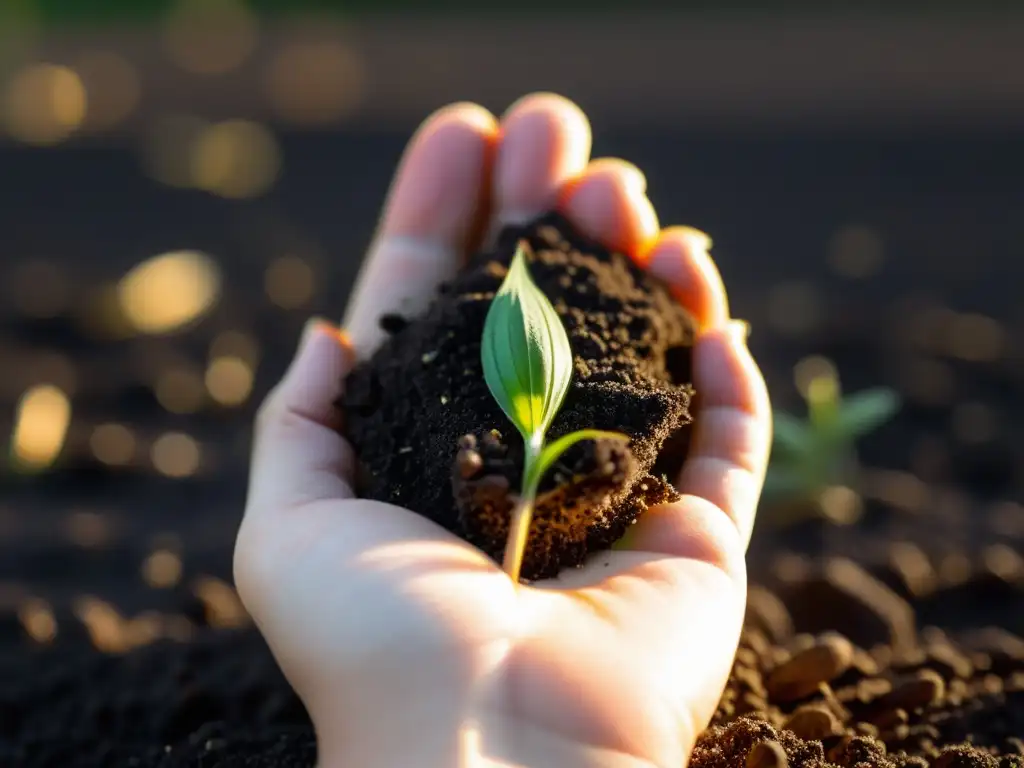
x=409, y=646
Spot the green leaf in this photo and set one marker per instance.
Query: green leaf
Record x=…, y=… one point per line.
x=525, y=352
x=790, y=435
x=867, y=410
x=551, y=453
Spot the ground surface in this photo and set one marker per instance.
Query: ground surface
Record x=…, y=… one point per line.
x=897, y=258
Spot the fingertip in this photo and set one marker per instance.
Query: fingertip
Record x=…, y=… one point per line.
x=554, y=111
x=335, y=333
x=681, y=258
x=608, y=203
x=465, y=114
x=437, y=190
x=545, y=142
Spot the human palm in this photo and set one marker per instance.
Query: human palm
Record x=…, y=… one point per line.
x=401, y=638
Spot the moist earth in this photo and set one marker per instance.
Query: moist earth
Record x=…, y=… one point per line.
x=423, y=395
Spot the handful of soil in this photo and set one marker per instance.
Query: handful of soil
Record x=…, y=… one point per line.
x=430, y=436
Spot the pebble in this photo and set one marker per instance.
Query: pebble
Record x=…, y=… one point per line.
x=949, y=662
x=812, y=722
x=829, y=656
x=919, y=690
x=843, y=597
x=767, y=754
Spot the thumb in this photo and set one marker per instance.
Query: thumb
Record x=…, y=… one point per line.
x=298, y=455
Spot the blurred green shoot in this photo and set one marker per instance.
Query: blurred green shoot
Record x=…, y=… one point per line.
x=814, y=460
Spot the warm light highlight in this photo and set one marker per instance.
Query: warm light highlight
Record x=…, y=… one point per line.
x=169, y=291
x=44, y=104
x=41, y=426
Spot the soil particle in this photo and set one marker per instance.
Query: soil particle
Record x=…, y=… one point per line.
x=800, y=676
x=408, y=407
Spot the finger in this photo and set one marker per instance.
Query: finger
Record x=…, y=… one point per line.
x=545, y=142
x=431, y=218
x=725, y=469
x=298, y=455
x=609, y=204
x=680, y=258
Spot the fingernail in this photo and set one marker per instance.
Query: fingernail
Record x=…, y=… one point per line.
x=317, y=326
x=702, y=237
x=739, y=330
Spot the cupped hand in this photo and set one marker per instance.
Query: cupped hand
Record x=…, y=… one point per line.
x=411, y=647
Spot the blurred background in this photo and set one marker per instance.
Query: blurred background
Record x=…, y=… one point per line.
x=184, y=182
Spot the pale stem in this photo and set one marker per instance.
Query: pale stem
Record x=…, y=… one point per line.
x=518, y=532
x=522, y=513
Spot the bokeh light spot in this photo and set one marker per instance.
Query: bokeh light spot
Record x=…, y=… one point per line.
x=175, y=454
x=41, y=426
x=169, y=291
x=179, y=390
x=112, y=86
x=113, y=444
x=223, y=607
x=809, y=370
x=88, y=529
x=162, y=569
x=209, y=37
x=975, y=338
x=289, y=282
x=38, y=620
x=315, y=82
x=235, y=159
x=44, y=104
x=229, y=380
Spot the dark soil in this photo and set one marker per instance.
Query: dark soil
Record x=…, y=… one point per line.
x=410, y=405
x=926, y=589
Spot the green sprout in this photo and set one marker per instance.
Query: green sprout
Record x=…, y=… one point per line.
x=528, y=366
x=812, y=456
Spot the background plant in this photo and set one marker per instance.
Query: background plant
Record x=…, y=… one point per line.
x=815, y=455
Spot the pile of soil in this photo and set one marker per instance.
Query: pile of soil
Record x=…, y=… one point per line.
x=423, y=394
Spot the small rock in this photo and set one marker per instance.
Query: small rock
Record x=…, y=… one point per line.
x=949, y=662
x=812, y=722
x=920, y=690
x=767, y=754
x=828, y=658
x=1004, y=649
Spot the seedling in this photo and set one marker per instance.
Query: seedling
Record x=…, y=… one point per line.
x=813, y=456
x=528, y=364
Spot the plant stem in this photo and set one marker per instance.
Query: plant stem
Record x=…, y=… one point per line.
x=522, y=513
x=518, y=532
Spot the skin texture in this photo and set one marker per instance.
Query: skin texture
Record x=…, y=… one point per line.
x=410, y=647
